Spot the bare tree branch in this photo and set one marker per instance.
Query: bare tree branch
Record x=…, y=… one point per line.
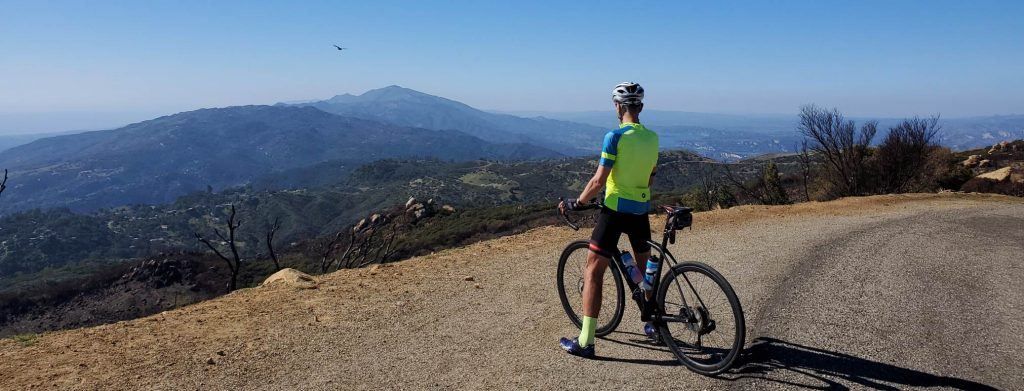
x=327, y=250
x=235, y=264
x=805, y=167
x=904, y=156
x=3, y=184
x=843, y=147
x=271, y=231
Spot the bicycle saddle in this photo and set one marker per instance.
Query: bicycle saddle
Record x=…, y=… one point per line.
x=677, y=210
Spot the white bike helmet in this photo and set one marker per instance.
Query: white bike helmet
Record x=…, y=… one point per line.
x=628, y=93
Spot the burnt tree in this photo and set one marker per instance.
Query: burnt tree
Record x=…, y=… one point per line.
x=271, y=231
x=326, y=248
x=805, y=168
x=843, y=148
x=372, y=240
x=765, y=189
x=903, y=157
x=235, y=261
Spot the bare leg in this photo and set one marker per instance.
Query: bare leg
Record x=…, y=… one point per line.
x=593, y=281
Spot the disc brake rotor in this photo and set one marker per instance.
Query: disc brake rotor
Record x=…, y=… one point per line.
x=700, y=321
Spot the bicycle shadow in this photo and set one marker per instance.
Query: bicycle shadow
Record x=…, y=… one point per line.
x=795, y=365
x=639, y=341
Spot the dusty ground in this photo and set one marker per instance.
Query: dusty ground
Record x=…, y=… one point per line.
x=886, y=292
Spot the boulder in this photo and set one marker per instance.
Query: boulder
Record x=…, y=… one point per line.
x=1003, y=146
x=410, y=202
x=448, y=209
x=1000, y=175
x=291, y=277
x=984, y=163
x=972, y=161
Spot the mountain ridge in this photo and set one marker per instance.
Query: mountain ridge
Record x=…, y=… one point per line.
x=400, y=105
x=156, y=160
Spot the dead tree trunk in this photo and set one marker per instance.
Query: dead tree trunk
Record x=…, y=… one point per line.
x=235, y=262
x=3, y=185
x=805, y=167
x=710, y=187
x=271, y=231
x=327, y=250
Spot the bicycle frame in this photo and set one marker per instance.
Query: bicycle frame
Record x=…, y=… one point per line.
x=648, y=308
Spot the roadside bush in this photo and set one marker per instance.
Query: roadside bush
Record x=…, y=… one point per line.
x=765, y=189
x=843, y=148
x=902, y=162
x=907, y=159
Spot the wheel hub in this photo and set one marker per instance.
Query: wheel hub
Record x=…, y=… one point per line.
x=699, y=320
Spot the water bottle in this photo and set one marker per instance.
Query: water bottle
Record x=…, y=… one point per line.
x=651, y=274
x=629, y=264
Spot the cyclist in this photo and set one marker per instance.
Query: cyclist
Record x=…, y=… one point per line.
x=627, y=167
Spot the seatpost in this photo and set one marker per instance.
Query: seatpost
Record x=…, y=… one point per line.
x=664, y=234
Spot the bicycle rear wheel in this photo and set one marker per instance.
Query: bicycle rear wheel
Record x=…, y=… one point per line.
x=702, y=319
x=569, y=282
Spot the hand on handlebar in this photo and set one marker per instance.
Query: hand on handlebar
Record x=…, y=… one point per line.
x=566, y=205
x=570, y=205
x=574, y=205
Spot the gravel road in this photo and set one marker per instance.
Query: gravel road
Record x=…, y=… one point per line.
x=889, y=292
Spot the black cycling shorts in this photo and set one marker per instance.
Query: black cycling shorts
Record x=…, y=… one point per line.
x=611, y=225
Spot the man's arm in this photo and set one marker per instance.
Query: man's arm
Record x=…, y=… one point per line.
x=595, y=184
x=650, y=182
x=604, y=169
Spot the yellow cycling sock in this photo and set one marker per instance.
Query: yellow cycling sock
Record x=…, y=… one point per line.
x=587, y=331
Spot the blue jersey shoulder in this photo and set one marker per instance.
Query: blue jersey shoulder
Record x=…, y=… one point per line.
x=610, y=149
x=611, y=140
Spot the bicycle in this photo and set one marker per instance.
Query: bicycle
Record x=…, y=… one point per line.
x=692, y=312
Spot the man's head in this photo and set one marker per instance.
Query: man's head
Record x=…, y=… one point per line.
x=628, y=98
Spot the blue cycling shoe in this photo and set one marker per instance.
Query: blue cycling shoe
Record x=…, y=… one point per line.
x=651, y=332
x=572, y=346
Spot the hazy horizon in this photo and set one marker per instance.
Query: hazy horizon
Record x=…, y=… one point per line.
x=92, y=66
x=80, y=121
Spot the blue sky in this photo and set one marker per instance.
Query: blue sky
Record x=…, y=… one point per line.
x=83, y=63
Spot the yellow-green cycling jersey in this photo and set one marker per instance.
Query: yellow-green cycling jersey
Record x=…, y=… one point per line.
x=632, y=152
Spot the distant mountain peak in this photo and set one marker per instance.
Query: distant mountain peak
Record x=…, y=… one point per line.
x=399, y=93
x=395, y=87
x=403, y=106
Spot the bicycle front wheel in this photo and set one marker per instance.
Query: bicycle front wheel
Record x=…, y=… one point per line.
x=702, y=318
x=569, y=282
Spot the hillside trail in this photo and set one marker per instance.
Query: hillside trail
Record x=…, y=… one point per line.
x=895, y=291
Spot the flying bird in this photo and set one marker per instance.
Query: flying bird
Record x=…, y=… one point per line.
x=339, y=47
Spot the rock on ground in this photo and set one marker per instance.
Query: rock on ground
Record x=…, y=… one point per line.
x=293, y=278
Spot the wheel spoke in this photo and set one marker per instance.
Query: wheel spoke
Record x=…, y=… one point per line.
x=573, y=272
x=709, y=301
